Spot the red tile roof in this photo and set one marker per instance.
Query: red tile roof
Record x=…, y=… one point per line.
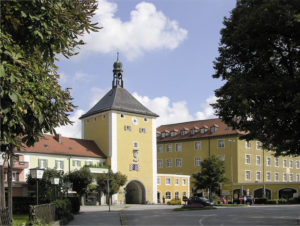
x=67, y=146
x=222, y=130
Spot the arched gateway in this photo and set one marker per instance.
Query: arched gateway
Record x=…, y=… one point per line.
x=135, y=193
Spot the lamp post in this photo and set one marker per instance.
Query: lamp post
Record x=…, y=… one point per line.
x=231, y=170
x=108, y=191
x=37, y=173
x=2, y=192
x=55, y=181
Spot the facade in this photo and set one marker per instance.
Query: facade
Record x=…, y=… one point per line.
x=125, y=130
x=172, y=186
x=181, y=147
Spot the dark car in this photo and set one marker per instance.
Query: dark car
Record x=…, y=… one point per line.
x=200, y=200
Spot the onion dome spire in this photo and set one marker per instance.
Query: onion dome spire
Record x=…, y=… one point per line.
x=118, y=73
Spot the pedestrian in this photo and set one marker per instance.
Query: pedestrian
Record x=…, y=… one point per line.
x=245, y=199
x=164, y=199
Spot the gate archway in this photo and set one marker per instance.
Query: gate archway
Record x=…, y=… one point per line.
x=135, y=193
x=286, y=193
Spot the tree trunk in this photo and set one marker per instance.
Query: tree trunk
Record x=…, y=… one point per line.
x=2, y=189
x=9, y=185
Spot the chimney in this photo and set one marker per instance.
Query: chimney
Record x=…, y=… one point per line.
x=58, y=137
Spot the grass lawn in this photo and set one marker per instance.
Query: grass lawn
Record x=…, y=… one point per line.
x=19, y=220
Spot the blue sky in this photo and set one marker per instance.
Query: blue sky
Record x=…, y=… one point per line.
x=167, y=48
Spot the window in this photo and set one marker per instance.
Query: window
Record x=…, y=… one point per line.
x=291, y=164
x=193, y=131
x=284, y=177
x=87, y=121
x=158, y=180
x=178, y=162
x=197, y=161
x=183, y=194
x=276, y=162
x=163, y=135
x=103, y=116
x=15, y=176
x=247, y=159
x=202, y=130
x=258, y=160
x=284, y=163
x=184, y=182
x=135, y=121
x=59, y=164
x=176, y=181
x=134, y=167
x=221, y=144
x=297, y=164
x=169, y=147
x=298, y=177
x=291, y=177
x=178, y=147
x=95, y=119
x=146, y=119
x=197, y=145
x=258, y=146
x=135, y=144
x=169, y=163
x=258, y=175
x=159, y=148
x=168, y=195
x=122, y=115
x=42, y=163
x=127, y=128
x=222, y=157
x=173, y=133
x=268, y=176
x=247, y=175
x=168, y=181
x=247, y=144
x=268, y=161
x=76, y=163
x=213, y=129
x=142, y=130
x=276, y=177
x=88, y=162
x=183, y=132
x=176, y=195
x=159, y=163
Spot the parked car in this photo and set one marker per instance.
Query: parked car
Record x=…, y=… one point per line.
x=200, y=200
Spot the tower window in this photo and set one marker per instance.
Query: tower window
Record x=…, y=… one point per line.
x=122, y=115
x=135, y=121
x=146, y=119
x=135, y=144
x=142, y=130
x=95, y=119
x=87, y=121
x=103, y=116
x=127, y=128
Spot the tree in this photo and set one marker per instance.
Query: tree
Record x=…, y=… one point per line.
x=32, y=34
x=211, y=175
x=80, y=179
x=260, y=62
x=116, y=181
x=46, y=188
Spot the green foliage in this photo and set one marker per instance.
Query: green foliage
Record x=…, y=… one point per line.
x=272, y=201
x=211, y=175
x=63, y=210
x=46, y=188
x=81, y=179
x=260, y=201
x=174, y=202
x=260, y=63
x=32, y=34
x=117, y=180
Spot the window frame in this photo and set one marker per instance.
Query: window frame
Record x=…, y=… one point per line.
x=176, y=147
x=197, y=147
x=162, y=163
x=168, y=179
x=197, y=161
x=179, y=161
x=221, y=141
x=258, y=157
x=246, y=162
x=169, y=165
x=247, y=173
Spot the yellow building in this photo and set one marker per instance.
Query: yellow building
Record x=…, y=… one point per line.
x=172, y=186
x=181, y=147
x=125, y=131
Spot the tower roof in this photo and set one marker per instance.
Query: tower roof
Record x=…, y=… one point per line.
x=119, y=99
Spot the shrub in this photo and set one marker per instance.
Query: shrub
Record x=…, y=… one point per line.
x=282, y=201
x=294, y=201
x=260, y=200
x=21, y=204
x=63, y=210
x=75, y=204
x=174, y=202
x=272, y=201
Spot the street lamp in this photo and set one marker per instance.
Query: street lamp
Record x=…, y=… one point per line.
x=108, y=191
x=37, y=173
x=231, y=170
x=55, y=181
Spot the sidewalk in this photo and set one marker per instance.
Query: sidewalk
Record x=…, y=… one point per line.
x=98, y=215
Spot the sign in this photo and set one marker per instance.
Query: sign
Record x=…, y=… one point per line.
x=225, y=192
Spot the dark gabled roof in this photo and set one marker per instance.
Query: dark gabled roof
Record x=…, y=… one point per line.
x=119, y=99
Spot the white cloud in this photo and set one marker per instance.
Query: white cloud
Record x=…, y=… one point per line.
x=72, y=130
x=177, y=111
x=148, y=29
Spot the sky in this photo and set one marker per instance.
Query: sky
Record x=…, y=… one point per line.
x=167, y=48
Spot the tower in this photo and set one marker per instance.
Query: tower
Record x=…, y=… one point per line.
x=125, y=131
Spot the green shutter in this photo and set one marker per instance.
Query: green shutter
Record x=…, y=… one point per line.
x=62, y=166
x=55, y=164
x=39, y=163
x=79, y=163
x=46, y=163
x=73, y=162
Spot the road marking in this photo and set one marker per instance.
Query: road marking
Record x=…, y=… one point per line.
x=205, y=216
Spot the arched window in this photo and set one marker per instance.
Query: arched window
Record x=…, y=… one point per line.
x=168, y=195
x=177, y=195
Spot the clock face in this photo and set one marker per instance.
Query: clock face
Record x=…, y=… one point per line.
x=135, y=121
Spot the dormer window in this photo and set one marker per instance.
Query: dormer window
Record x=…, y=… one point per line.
x=173, y=133
x=194, y=130
x=163, y=134
x=183, y=132
x=202, y=130
x=213, y=128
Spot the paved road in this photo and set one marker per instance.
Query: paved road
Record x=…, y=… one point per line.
x=253, y=215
